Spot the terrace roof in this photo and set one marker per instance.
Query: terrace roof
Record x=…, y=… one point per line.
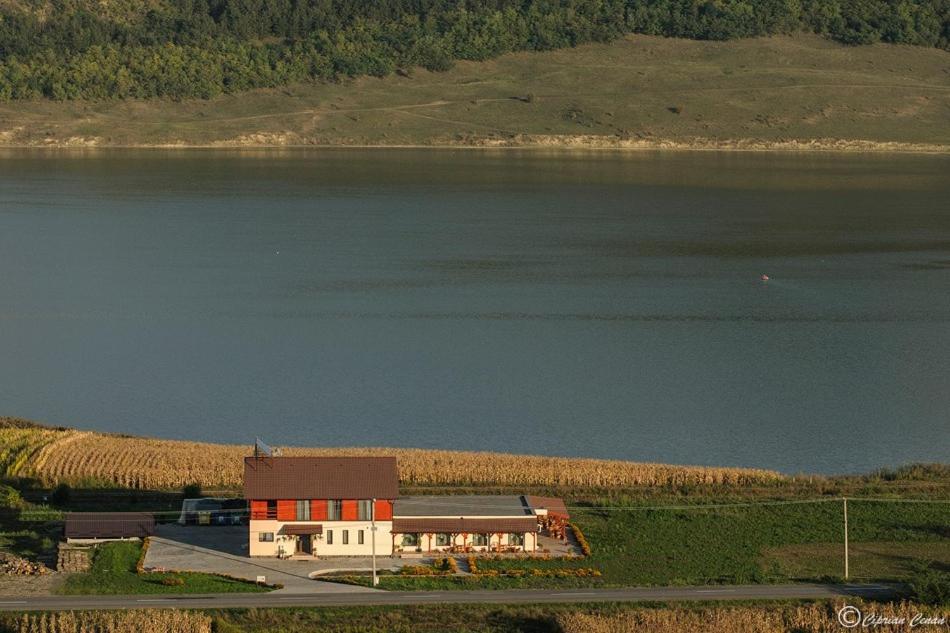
x=462, y=505
x=109, y=524
x=463, y=525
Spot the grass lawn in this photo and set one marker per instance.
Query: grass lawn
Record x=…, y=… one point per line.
x=727, y=545
x=780, y=543
x=113, y=572
x=868, y=561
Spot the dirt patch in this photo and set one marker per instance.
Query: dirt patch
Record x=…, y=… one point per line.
x=30, y=585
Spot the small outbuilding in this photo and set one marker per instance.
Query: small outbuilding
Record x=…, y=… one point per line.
x=96, y=527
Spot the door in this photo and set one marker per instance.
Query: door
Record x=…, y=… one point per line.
x=304, y=545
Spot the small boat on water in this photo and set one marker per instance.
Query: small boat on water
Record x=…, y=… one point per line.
x=764, y=277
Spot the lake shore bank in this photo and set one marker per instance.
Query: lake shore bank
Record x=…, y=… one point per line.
x=564, y=143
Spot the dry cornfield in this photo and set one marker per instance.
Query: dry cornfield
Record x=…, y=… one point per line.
x=811, y=618
x=147, y=621
x=87, y=458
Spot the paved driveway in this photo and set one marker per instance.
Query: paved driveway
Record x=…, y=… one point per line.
x=223, y=550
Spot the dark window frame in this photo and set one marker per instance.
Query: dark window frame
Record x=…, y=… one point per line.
x=334, y=510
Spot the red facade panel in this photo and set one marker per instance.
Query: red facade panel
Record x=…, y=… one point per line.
x=350, y=510
x=286, y=509
x=258, y=509
x=318, y=510
x=384, y=510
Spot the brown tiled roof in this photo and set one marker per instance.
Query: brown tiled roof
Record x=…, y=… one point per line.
x=301, y=529
x=109, y=524
x=463, y=525
x=552, y=504
x=320, y=478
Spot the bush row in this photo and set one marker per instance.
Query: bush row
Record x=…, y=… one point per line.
x=204, y=48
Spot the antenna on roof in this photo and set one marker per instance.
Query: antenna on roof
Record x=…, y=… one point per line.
x=261, y=449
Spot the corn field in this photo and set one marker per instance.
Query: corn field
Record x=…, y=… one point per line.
x=147, y=621
x=96, y=459
x=811, y=618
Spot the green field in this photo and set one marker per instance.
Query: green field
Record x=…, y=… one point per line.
x=113, y=572
x=634, y=545
x=639, y=91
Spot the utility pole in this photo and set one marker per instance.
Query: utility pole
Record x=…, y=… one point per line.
x=845, y=500
x=372, y=535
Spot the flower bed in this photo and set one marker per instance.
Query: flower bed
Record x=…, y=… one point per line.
x=441, y=567
x=581, y=539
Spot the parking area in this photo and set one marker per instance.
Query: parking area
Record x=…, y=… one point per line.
x=223, y=550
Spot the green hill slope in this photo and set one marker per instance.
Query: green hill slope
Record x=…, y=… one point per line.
x=639, y=91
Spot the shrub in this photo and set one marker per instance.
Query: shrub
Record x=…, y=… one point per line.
x=172, y=581
x=446, y=565
x=929, y=585
x=10, y=498
x=192, y=491
x=417, y=570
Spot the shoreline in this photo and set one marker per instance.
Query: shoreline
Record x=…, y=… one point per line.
x=533, y=143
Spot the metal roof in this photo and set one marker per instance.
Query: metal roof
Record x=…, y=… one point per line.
x=109, y=524
x=553, y=505
x=320, y=478
x=465, y=526
x=297, y=528
x=461, y=506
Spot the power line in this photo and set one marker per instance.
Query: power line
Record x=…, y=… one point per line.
x=706, y=506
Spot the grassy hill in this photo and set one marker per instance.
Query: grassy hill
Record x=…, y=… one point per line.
x=792, y=92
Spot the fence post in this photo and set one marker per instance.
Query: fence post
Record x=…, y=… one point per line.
x=845, y=500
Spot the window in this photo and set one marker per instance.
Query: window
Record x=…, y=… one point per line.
x=515, y=539
x=479, y=539
x=329, y=537
x=364, y=510
x=272, y=509
x=443, y=539
x=266, y=537
x=359, y=536
x=334, y=510
x=410, y=540
x=303, y=510
x=346, y=537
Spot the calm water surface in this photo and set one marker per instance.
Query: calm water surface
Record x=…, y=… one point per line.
x=601, y=305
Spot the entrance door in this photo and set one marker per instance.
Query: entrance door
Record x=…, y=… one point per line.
x=304, y=544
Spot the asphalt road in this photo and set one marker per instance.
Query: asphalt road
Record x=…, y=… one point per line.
x=631, y=594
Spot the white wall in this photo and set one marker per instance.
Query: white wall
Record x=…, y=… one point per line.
x=320, y=546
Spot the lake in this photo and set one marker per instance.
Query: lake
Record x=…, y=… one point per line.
x=590, y=304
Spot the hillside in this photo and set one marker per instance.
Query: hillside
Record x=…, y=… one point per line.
x=87, y=49
x=792, y=92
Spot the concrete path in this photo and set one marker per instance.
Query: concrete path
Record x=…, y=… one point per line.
x=222, y=550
